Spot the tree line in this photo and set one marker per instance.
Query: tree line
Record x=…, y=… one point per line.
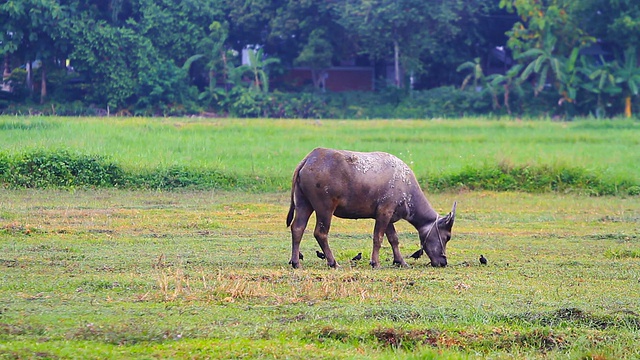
x=179, y=57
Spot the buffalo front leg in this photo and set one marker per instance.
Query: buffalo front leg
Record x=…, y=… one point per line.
x=378, y=234
x=297, y=230
x=392, y=236
x=321, y=233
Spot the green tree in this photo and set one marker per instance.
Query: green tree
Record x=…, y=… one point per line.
x=387, y=30
x=307, y=33
x=284, y=27
x=114, y=60
x=615, y=23
x=414, y=34
x=317, y=55
x=34, y=30
x=164, y=88
x=543, y=22
x=175, y=28
x=132, y=51
x=218, y=66
x=249, y=21
x=547, y=42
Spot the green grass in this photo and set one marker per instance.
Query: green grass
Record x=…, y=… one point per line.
x=91, y=272
x=261, y=154
x=204, y=274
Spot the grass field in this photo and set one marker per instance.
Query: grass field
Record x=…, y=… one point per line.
x=106, y=273
x=270, y=149
x=118, y=274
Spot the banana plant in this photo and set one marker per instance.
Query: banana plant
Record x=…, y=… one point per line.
x=509, y=82
x=257, y=67
x=601, y=81
x=477, y=74
x=628, y=75
x=568, y=79
x=542, y=62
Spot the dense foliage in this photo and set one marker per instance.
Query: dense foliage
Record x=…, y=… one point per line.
x=562, y=58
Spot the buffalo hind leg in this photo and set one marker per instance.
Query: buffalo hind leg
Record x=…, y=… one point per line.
x=392, y=236
x=378, y=234
x=297, y=230
x=321, y=233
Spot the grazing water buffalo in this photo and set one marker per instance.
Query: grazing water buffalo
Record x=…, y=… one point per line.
x=357, y=185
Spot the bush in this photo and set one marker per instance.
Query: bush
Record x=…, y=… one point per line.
x=449, y=102
x=62, y=169
x=299, y=106
x=40, y=169
x=249, y=103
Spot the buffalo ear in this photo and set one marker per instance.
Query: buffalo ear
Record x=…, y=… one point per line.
x=447, y=221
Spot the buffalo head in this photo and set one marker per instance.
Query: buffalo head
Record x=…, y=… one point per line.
x=434, y=238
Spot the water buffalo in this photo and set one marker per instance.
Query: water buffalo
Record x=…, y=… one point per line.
x=357, y=185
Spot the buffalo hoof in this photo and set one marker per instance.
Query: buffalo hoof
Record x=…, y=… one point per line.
x=374, y=264
x=334, y=265
x=400, y=263
x=294, y=265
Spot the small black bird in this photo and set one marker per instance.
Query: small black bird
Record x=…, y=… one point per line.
x=301, y=256
x=357, y=257
x=320, y=255
x=483, y=260
x=416, y=255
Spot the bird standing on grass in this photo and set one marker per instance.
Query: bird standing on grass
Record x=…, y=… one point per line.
x=416, y=255
x=357, y=257
x=320, y=255
x=483, y=260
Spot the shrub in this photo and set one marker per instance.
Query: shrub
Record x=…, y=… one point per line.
x=449, y=101
x=40, y=169
x=249, y=104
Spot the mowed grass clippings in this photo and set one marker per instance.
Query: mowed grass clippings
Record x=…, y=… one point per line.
x=138, y=274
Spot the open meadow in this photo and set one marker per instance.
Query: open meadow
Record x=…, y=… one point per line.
x=100, y=272
x=261, y=154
